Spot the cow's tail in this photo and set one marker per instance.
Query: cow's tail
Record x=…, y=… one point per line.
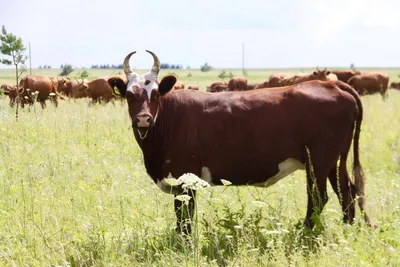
x=358, y=173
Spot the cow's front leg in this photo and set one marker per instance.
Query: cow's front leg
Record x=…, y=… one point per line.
x=184, y=211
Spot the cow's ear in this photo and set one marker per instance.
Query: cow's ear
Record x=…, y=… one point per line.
x=166, y=84
x=328, y=72
x=118, y=86
x=6, y=92
x=315, y=73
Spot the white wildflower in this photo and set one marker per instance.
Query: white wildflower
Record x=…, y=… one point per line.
x=192, y=181
x=184, y=198
x=273, y=232
x=238, y=227
x=225, y=182
x=259, y=204
x=171, y=181
x=229, y=236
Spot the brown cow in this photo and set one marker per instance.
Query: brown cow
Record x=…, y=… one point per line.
x=99, y=90
x=275, y=79
x=62, y=85
x=395, y=85
x=369, y=83
x=193, y=87
x=47, y=87
x=238, y=83
x=217, y=87
x=311, y=127
x=179, y=85
x=22, y=96
x=323, y=75
x=252, y=86
x=345, y=75
x=78, y=88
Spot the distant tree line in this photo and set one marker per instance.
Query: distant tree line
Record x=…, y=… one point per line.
x=171, y=66
x=107, y=66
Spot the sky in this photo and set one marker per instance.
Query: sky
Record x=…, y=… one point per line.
x=275, y=34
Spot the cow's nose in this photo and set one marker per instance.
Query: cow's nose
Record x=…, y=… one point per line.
x=144, y=120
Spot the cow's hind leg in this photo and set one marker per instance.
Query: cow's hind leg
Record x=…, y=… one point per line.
x=317, y=169
x=344, y=189
x=184, y=213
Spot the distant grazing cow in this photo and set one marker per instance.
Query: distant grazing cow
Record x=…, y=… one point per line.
x=345, y=75
x=395, y=85
x=369, y=83
x=99, y=90
x=46, y=86
x=248, y=138
x=237, y=84
x=193, y=87
x=217, y=87
x=323, y=75
x=179, y=85
x=275, y=79
x=22, y=96
x=78, y=88
x=252, y=86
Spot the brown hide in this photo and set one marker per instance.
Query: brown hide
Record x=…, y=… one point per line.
x=370, y=83
x=237, y=84
x=344, y=75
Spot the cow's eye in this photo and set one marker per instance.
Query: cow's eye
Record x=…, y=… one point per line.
x=146, y=82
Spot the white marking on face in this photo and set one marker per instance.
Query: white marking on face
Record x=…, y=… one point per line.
x=285, y=168
x=206, y=175
x=138, y=80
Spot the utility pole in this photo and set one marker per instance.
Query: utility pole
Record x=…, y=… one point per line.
x=30, y=59
x=243, y=58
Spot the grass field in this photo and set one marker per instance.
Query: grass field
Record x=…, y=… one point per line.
x=74, y=192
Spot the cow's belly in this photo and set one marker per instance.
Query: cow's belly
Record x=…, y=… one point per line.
x=285, y=168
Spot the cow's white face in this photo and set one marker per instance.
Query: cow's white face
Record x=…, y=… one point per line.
x=147, y=82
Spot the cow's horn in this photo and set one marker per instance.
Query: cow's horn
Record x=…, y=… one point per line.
x=317, y=68
x=156, y=64
x=127, y=68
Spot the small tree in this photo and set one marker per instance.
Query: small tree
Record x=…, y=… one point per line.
x=222, y=75
x=83, y=74
x=13, y=46
x=205, y=67
x=66, y=70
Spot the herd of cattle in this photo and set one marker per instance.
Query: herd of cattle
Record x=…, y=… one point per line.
x=364, y=83
x=41, y=88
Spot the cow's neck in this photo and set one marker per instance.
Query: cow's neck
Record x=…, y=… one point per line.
x=153, y=145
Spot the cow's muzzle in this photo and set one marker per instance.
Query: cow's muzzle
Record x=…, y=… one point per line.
x=142, y=124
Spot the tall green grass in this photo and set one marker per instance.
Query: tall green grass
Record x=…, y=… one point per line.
x=74, y=192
